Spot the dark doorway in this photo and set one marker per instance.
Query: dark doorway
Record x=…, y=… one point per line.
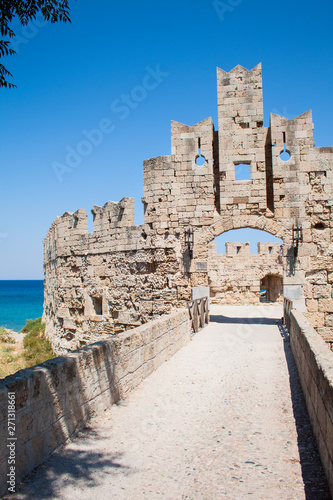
x=271, y=287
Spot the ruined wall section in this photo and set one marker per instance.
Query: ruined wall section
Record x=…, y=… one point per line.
x=101, y=283
x=242, y=140
x=234, y=277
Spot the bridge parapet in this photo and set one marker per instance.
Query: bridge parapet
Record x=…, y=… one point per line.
x=57, y=398
x=315, y=368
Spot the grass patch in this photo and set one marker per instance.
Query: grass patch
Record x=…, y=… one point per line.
x=36, y=348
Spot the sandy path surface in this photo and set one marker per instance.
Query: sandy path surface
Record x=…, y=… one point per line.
x=217, y=421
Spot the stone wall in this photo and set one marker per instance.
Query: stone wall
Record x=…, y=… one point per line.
x=122, y=275
x=315, y=368
x=101, y=283
x=179, y=189
x=57, y=398
x=237, y=276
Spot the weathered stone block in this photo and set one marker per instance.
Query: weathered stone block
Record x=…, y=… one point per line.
x=322, y=291
x=312, y=305
x=317, y=277
x=326, y=305
x=329, y=321
x=316, y=319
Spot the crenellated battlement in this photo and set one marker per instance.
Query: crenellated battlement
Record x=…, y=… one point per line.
x=240, y=100
x=237, y=248
x=113, y=215
x=273, y=249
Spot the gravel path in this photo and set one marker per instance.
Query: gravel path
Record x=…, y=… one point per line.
x=217, y=421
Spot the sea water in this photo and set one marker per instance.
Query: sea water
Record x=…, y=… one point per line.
x=20, y=300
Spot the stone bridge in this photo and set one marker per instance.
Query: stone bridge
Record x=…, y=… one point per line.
x=220, y=414
x=221, y=422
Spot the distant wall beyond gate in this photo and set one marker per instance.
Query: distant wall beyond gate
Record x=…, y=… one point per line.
x=315, y=368
x=236, y=276
x=57, y=398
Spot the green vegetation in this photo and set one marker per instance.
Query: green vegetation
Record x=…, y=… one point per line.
x=35, y=349
x=12, y=12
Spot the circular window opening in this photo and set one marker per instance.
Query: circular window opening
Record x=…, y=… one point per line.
x=200, y=160
x=285, y=155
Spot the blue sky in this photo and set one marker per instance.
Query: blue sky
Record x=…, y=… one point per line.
x=72, y=78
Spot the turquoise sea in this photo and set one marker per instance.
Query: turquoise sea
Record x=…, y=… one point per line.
x=20, y=300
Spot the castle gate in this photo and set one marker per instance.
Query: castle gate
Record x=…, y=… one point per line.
x=134, y=273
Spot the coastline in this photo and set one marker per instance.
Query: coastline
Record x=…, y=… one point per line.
x=20, y=300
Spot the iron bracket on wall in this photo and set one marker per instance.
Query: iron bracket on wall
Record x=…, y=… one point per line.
x=297, y=238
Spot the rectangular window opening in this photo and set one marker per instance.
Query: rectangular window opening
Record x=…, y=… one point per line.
x=97, y=304
x=120, y=215
x=242, y=172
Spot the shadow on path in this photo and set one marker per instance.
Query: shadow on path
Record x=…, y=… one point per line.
x=315, y=482
x=69, y=466
x=314, y=479
x=219, y=318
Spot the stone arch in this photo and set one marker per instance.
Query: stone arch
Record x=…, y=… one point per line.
x=232, y=278
x=261, y=222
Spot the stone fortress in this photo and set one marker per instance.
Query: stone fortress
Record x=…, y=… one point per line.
x=121, y=275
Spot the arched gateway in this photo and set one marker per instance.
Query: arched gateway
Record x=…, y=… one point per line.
x=203, y=274
x=240, y=277
x=134, y=273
